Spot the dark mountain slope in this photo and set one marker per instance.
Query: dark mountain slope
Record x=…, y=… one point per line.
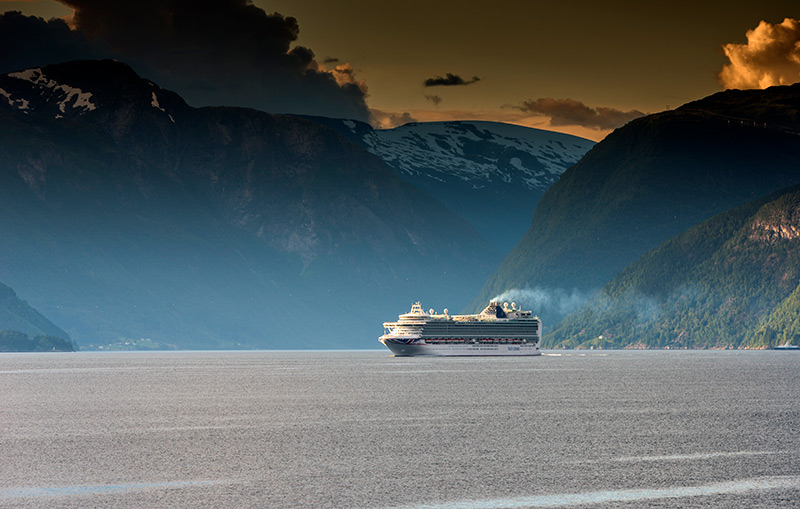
x=731, y=281
x=650, y=180
x=18, y=315
x=489, y=173
x=129, y=214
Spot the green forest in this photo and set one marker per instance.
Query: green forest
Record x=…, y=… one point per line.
x=731, y=282
x=15, y=341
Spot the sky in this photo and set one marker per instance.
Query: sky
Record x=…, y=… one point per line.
x=581, y=67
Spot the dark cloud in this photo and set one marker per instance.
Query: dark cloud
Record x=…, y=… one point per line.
x=563, y=112
x=331, y=60
x=770, y=57
x=435, y=99
x=449, y=80
x=213, y=52
x=28, y=41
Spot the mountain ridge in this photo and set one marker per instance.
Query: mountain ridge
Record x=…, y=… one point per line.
x=729, y=282
x=17, y=315
x=647, y=181
x=133, y=215
x=489, y=173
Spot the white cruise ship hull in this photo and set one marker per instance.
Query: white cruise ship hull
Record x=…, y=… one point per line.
x=495, y=331
x=462, y=349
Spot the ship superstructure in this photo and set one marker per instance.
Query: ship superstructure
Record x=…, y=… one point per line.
x=497, y=330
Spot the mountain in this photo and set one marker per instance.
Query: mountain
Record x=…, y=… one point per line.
x=17, y=315
x=128, y=214
x=646, y=182
x=490, y=174
x=732, y=281
x=19, y=321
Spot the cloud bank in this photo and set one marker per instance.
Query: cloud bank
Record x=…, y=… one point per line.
x=566, y=112
x=28, y=41
x=390, y=120
x=770, y=57
x=221, y=52
x=449, y=80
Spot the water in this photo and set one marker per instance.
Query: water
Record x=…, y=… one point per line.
x=363, y=429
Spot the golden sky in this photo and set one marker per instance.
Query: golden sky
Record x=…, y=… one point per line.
x=647, y=56
x=621, y=55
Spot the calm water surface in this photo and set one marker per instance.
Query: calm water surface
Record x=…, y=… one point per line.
x=363, y=429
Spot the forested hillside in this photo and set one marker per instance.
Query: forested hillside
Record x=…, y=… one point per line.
x=731, y=282
x=648, y=181
x=23, y=329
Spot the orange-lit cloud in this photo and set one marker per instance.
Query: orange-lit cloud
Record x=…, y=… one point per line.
x=387, y=120
x=770, y=57
x=446, y=115
x=345, y=74
x=569, y=112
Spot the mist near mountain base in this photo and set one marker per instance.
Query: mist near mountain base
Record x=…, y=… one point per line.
x=640, y=307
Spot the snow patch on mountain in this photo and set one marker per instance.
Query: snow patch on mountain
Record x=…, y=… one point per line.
x=35, y=76
x=154, y=103
x=21, y=104
x=64, y=94
x=491, y=174
x=82, y=99
x=477, y=151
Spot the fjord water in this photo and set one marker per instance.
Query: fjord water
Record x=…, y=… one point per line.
x=364, y=429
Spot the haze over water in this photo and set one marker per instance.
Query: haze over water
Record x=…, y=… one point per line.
x=363, y=429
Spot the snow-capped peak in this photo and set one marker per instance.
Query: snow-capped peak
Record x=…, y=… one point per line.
x=491, y=174
x=35, y=76
x=65, y=95
x=478, y=151
x=21, y=103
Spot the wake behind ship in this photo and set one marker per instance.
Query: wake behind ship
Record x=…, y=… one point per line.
x=494, y=331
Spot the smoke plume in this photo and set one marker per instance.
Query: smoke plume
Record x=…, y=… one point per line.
x=541, y=300
x=770, y=57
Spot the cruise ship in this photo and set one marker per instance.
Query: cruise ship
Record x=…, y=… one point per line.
x=497, y=330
